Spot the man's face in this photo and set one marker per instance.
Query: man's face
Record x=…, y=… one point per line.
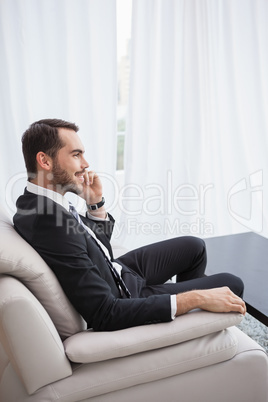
x=69, y=165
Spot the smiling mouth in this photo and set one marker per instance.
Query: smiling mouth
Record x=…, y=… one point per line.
x=80, y=176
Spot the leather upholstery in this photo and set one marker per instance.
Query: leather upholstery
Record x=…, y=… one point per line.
x=199, y=356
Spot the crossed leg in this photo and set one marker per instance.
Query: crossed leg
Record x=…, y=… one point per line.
x=184, y=257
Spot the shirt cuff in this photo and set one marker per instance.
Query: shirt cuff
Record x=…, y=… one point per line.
x=173, y=302
x=94, y=218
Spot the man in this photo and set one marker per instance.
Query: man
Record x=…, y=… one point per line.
x=110, y=294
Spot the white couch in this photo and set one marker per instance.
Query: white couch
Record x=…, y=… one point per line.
x=46, y=353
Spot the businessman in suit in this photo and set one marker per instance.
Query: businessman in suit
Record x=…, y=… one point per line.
x=109, y=293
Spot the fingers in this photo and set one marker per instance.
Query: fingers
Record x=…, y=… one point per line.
x=89, y=177
x=92, y=187
x=240, y=309
x=221, y=300
x=86, y=176
x=237, y=304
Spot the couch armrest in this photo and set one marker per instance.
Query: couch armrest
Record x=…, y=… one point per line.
x=89, y=346
x=29, y=337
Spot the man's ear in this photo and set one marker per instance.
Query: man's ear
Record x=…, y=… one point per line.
x=44, y=161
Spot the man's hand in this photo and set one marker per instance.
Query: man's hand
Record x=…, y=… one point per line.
x=218, y=300
x=92, y=192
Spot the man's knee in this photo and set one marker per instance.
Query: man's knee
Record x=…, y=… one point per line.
x=236, y=285
x=193, y=243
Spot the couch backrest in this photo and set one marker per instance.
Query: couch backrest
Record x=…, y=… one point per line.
x=19, y=259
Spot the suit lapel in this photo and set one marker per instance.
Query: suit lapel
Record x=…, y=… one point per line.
x=100, y=234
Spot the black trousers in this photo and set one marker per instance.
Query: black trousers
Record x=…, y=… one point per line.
x=184, y=257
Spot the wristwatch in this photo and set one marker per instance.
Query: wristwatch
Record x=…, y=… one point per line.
x=93, y=207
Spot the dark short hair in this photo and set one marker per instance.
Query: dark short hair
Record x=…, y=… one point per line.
x=43, y=136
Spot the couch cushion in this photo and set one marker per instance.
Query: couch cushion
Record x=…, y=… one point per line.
x=89, y=346
x=19, y=259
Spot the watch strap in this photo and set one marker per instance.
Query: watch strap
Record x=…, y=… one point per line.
x=94, y=207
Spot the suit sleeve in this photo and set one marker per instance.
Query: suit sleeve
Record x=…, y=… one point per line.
x=100, y=226
x=83, y=275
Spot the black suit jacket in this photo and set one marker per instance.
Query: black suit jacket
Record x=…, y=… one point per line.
x=81, y=268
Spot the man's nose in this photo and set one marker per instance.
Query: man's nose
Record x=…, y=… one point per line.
x=85, y=164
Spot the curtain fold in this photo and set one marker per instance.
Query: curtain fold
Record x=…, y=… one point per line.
x=196, y=145
x=58, y=60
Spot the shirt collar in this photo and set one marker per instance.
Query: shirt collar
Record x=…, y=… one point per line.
x=45, y=192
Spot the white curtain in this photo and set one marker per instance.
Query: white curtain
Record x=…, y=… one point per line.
x=197, y=146
x=57, y=60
